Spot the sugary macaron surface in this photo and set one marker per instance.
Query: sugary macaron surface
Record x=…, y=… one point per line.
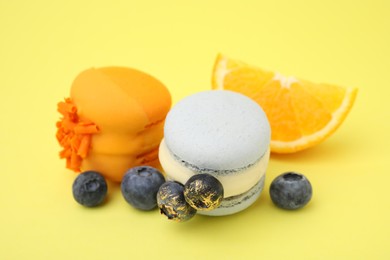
x=217, y=130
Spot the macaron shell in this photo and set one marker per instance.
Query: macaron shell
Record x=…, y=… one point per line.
x=217, y=130
x=113, y=167
x=102, y=101
x=147, y=91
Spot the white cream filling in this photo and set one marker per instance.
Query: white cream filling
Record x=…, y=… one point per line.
x=237, y=203
x=234, y=184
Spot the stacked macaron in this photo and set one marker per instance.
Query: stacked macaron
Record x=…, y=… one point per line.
x=221, y=133
x=112, y=121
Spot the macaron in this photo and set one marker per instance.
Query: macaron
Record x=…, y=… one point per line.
x=112, y=121
x=222, y=133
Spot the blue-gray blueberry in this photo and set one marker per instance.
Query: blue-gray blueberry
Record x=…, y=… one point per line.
x=89, y=189
x=291, y=190
x=139, y=187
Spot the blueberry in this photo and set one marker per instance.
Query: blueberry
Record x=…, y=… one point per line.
x=90, y=189
x=171, y=201
x=203, y=192
x=291, y=190
x=140, y=185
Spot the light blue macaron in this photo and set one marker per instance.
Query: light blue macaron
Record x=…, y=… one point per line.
x=221, y=133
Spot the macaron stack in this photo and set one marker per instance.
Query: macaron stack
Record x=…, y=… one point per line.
x=112, y=121
x=221, y=133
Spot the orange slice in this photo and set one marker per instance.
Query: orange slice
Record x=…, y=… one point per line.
x=301, y=113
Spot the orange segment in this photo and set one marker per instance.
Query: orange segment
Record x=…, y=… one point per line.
x=301, y=113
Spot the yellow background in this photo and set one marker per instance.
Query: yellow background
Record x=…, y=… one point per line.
x=45, y=44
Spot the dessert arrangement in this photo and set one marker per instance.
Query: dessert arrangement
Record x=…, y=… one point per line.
x=206, y=155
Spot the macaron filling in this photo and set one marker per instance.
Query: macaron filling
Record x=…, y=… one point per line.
x=235, y=182
x=239, y=202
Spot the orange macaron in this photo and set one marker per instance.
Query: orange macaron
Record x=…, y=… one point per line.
x=112, y=121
